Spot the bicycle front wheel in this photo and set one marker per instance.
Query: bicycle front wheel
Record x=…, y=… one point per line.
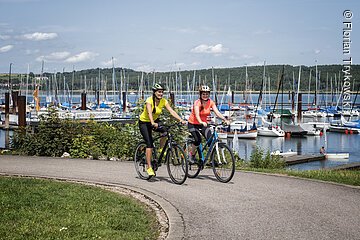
x=223, y=162
x=177, y=165
x=194, y=166
x=140, y=161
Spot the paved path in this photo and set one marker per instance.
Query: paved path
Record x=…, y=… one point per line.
x=251, y=206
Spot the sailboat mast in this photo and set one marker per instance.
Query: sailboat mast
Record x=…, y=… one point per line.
x=297, y=93
x=316, y=82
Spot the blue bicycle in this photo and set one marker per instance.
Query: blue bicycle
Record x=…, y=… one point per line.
x=220, y=155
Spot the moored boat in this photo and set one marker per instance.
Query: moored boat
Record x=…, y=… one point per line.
x=337, y=155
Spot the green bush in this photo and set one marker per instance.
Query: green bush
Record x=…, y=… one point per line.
x=258, y=160
x=55, y=136
x=52, y=137
x=84, y=147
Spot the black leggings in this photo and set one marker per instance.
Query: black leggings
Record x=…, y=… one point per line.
x=195, y=130
x=146, y=131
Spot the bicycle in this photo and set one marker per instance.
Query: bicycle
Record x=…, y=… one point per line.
x=175, y=158
x=219, y=153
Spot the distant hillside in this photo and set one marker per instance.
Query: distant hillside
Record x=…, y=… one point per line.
x=329, y=76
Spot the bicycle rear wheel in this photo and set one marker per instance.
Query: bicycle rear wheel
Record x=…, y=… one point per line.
x=223, y=162
x=194, y=167
x=140, y=161
x=177, y=164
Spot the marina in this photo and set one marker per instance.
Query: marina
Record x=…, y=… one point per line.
x=301, y=151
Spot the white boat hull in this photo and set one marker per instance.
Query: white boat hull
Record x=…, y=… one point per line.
x=337, y=155
x=283, y=154
x=252, y=134
x=265, y=131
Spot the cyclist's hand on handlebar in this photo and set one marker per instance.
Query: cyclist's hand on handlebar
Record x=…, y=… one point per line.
x=183, y=122
x=155, y=125
x=204, y=124
x=226, y=122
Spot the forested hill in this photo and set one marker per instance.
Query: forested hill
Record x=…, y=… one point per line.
x=330, y=77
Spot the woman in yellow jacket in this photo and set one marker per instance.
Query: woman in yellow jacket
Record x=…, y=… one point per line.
x=149, y=120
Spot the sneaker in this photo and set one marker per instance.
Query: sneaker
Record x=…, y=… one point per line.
x=150, y=172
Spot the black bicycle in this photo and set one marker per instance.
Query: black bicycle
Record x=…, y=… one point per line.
x=219, y=153
x=174, y=157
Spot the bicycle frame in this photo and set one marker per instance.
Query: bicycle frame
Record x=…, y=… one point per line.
x=167, y=145
x=173, y=154
x=165, y=148
x=212, y=141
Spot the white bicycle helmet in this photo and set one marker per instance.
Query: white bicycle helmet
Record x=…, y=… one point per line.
x=204, y=88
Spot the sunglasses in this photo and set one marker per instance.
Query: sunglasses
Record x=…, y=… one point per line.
x=160, y=91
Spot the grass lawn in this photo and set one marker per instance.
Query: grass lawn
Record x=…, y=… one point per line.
x=45, y=209
x=349, y=177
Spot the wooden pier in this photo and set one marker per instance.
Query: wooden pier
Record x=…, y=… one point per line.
x=348, y=166
x=291, y=160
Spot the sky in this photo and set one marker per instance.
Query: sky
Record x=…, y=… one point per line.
x=170, y=35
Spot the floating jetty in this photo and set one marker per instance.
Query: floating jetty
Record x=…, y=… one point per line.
x=296, y=159
x=348, y=166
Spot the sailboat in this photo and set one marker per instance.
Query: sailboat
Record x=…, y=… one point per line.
x=269, y=129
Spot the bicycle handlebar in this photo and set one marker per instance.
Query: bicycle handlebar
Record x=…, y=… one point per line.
x=168, y=127
x=216, y=124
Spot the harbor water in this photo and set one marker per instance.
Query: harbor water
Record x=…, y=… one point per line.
x=335, y=143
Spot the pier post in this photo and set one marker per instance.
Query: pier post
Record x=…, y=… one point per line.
x=299, y=109
x=14, y=96
x=21, y=111
x=98, y=98
x=172, y=97
x=293, y=101
x=83, y=101
x=7, y=109
x=124, y=101
x=232, y=97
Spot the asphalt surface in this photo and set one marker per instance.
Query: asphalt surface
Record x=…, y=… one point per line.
x=251, y=206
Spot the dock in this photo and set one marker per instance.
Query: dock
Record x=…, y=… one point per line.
x=291, y=160
x=348, y=166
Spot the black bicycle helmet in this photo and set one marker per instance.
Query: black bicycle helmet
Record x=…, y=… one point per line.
x=158, y=86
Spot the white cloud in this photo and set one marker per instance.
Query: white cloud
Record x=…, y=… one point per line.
x=55, y=56
x=37, y=36
x=6, y=48
x=81, y=57
x=204, y=48
x=317, y=51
